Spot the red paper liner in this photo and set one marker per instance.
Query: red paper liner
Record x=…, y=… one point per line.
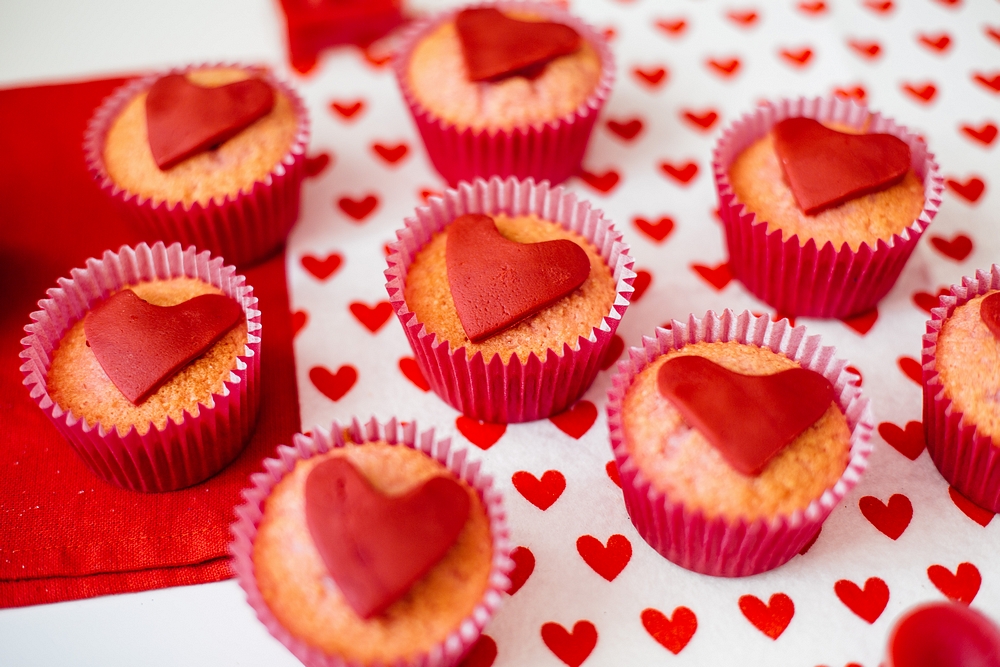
x=489, y=390
x=549, y=151
x=718, y=546
x=249, y=514
x=801, y=279
x=243, y=228
x=966, y=458
x=183, y=453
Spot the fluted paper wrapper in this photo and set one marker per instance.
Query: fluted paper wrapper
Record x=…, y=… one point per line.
x=549, y=151
x=248, y=516
x=719, y=546
x=520, y=390
x=799, y=278
x=243, y=228
x=966, y=458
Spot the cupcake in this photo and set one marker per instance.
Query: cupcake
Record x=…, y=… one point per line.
x=822, y=203
x=734, y=438
x=147, y=362
x=943, y=634
x=509, y=292
x=209, y=156
x=372, y=545
x=506, y=89
x=961, y=373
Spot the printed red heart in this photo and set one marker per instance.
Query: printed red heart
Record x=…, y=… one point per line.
x=971, y=190
x=856, y=93
x=141, y=346
x=612, y=470
x=991, y=81
x=863, y=322
x=868, y=603
x=978, y=514
x=923, y=93
x=717, y=276
x=601, y=182
x=992, y=32
x=672, y=633
x=653, y=76
x=808, y=545
x=911, y=368
x=658, y=230
x=865, y=49
x=944, y=634
x=348, y=109
x=607, y=561
x=359, y=209
x=524, y=565
x=317, y=164
x=427, y=193
x=611, y=354
x=935, y=42
x=683, y=173
x=957, y=248
x=989, y=313
x=541, y=493
x=950, y=3
x=576, y=421
x=643, y=279
x=184, y=119
x=377, y=546
x=724, y=67
x=879, y=6
x=743, y=17
x=626, y=129
x=572, y=648
x=409, y=367
x=798, y=58
x=482, y=434
x=609, y=33
x=962, y=586
x=483, y=653
x=813, y=7
x=322, y=269
x=747, y=418
x=984, y=134
x=299, y=319
x=850, y=369
x=771, y=618
x=927, y=301
x=373, y=317
x=909, y=441
x=391, y=154
x=890, y=519
x=672, y=27
x=333, y=386
x=703, y=120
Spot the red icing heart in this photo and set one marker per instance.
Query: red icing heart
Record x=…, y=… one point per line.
x=184, y=119
x=748, y=418
x=140, y=346
x=826, y=168
x=496, y=283
x=376, y=546
x=989, y=312
x=944, y=635
x=496, y=46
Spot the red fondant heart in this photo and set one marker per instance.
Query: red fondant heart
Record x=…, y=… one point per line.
x=825, y=168
x=496, y=283
x=376, y=546
x=496, y=46
x=944, y=635
x=184, y=119
x=748, y=418
x=989, y=312
x=140, y=346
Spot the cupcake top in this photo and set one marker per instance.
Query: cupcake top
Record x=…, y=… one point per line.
x=204, y=135
x=489, y=69
x=681, y=462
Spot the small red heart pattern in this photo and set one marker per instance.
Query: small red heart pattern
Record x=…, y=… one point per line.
x=962, y=585
x=576, y=421
x=672, y=632
x=333, y=385
x=322, y=268
x=541, y=492
x=891, y=518
x=524, y=565
x=482, y=434
x=868, y=601
x=603, y=182
x=570, y=647
x=908, y=441
x=771, y=618
x=607, y=560
x=358, y=209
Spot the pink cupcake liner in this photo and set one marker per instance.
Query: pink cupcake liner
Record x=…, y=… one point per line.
x=183, y=453
x=242, y=228
x=966, y=458
x=549, y=151
x=802, y=279
x=718, y=546
x=249, y=514
x=519, y=391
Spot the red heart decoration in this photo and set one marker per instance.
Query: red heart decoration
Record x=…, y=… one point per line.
x=615, y=349
x=865, y=49
x=680, y=173
x=671, y=27
x=348, y=109
x=600, y=182
x=317, y=164
x=299, y=319
x=927, y=301
x=944, y=635
x=771, y=618
x=607, y=561
x=409, y=367
x=854, y=93
x=862, y=322
x=482, y=434
x=658, y=230
x=797, y=58
x=373, y=317
x=890, y=519
x=989, y=313
x=813, y=7
x=962, y=586
x=653, y=76
x=923, y=93
x=184, y=119
x=868, y=603
x=333, y=385
x=376, y=546
x=911, y=368
x=935, y=42
x=970, y=190
x=611, y=468
x=672, y=633
x=703, y=120
x=391, y=154
x=957, y=248
x=985, y=134
x=541, y=493
x=572, y=648
x=626, y=129
x=909, y=441
x=744, y=18
x=322, y=268
x=978, y=514
x=724, y=67
x=140, y=346
x=483, y=653
x=524, y=565
x=880, y=7
x=748, y=418
x=358, y=208
x=576, y=421
x=825, y=168
x=643, y=279
x=495, y=283
x=716, y=276
x=991, y=81
x=496, y=46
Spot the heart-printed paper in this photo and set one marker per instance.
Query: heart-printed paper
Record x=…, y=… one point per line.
x=496, y=46
x=376, y=546
x=944, y=635
x=496, y=283
x=989, y=312
x=184, y=119
x=140, y=346
x=826, y=168
x=747, y=418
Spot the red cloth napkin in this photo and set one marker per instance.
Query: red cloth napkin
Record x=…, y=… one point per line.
x=64, y=533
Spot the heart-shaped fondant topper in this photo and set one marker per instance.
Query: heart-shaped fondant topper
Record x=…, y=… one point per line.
x=826, y=168
x=184, y=119
x=944, y=634
x=747, y=418
x=495, y=283
x=140, y=346
x=496, y=46
x=989, y=313
x=374, y=546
